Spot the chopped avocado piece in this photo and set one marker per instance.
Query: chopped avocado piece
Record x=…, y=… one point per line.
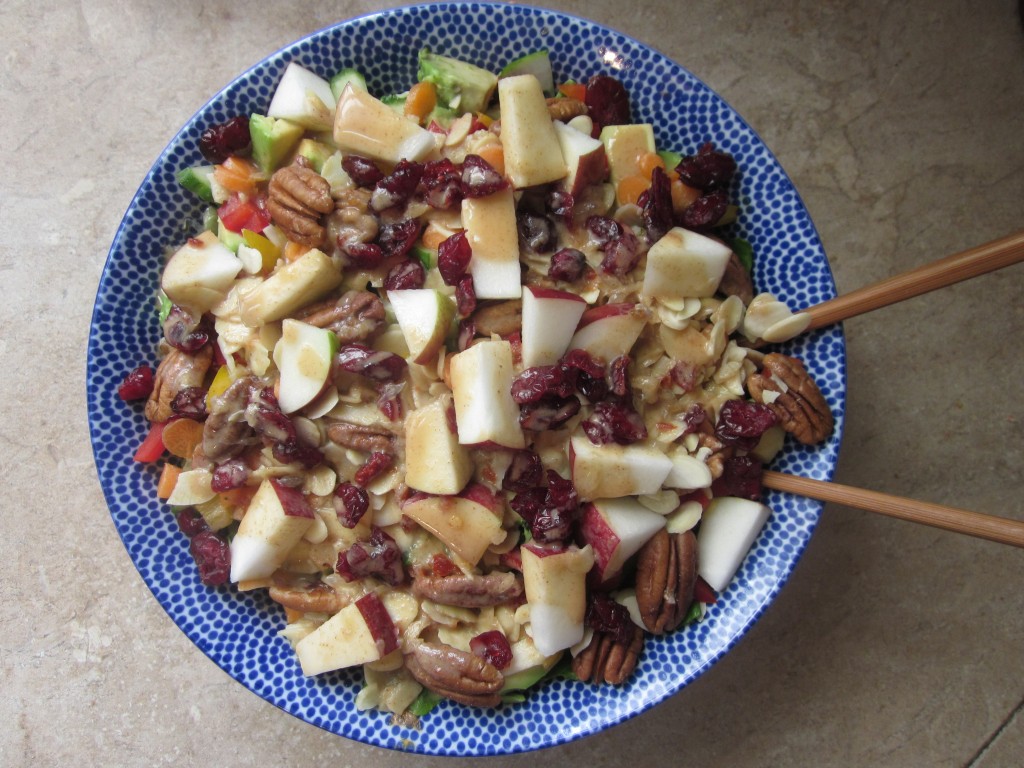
x=315, y=151
x=395, y=100
x=442, y=116
x=537, y=64
x=343, y=78
x=671, y=159
x=272, y=140
x=230, y=239
x=744, y=252
x=520, y=681
x=425, y=702
x=462, y=86
x=198, y=181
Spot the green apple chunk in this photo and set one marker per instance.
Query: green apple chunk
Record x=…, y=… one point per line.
x=424, y=315
x=303, y=356
x=466, y=527
x=532, y=152
x=434, y=460
x=291, y=287
x=276, y=519
x=200, y=273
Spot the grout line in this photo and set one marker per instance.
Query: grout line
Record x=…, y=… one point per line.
x=987, y=744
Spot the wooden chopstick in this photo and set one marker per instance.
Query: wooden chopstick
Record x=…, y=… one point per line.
x=946, y=271
x=983, y=526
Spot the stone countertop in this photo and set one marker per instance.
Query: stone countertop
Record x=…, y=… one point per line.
x=892, y=645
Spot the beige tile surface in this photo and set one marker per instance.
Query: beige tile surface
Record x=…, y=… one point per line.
x=893, y=645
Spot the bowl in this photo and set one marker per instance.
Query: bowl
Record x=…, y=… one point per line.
x=238, y=631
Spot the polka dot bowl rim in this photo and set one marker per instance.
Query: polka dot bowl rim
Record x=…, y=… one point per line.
x=238, y=631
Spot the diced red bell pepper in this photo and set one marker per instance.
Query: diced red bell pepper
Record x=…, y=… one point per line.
x=240, y=213
x=152, y=448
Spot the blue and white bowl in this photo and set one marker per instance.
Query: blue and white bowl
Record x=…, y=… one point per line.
x=239, y=631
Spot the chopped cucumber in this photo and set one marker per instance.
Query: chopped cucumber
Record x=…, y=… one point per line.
x=198, y=180
x=425, y=256
x=345, y=77
x=537, y=64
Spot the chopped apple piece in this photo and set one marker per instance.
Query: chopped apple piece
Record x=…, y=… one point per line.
x=529, y=141
x=549, y=319
x=688, y=472
x=304, y=356
x=612, y=471
x=481, y=381
x=424, y=315
x=494, y=239
x=303, y=98
x=367, y=126
x=467, y=527
x=276, y=519
x=684, y=264
x=585, y=157
x=358, y=634
x=291, y=287
x=556, y=591
x=200, y=273
x=728, y=528
x=435, y=461
x=616, y=529
x=625, y=145
x=610, y=330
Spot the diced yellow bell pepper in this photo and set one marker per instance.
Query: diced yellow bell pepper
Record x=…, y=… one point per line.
x=270, y=252
x=221, y=381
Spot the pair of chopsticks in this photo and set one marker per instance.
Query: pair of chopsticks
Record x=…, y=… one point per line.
x=947, y=271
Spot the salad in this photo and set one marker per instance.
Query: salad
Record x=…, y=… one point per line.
x=472, y=379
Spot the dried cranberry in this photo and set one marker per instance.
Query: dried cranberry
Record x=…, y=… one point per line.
x=708, y=170
x=614, y=422
x=607, y=101
x=465, y=296
x=656, y=206
x=190, y=403
x=741, y=476
x=229, y=475
x=621, y=254
x=594, y=389
x=553, y=522
x=137, y=385
x=536, y=233
x=389, y=399
x=618, y=376
x=706, y=211
x=549, y=413
x=351, y=503
x=441, y=184
x=212, y=556
x=479, y=178
x=603, y=228
x=453, y=257
x=523, y=473
x=567, y=265
x=582, y=361
x=218, y=142
x=363, y=255
x=467, y=331
x=542, y=381
x=609, y=617
x=191, y=522
x=529, y=503
x=561, y=204
x=493, y=648
x=741, y=423
x=561, y=493
x=371, y=363
x=405, y=275
x=379, y=557
x=296, y=451
x=185, y=332
x=397, y=187
x=362, y=170
x=685, y=375
x=396, y=239
x=442, y=566
x=377, y=463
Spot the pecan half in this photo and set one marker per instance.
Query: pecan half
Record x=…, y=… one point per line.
x=720, y=452
x=226, y=433
x=799, y=404
x=736, y=281
x=457, y=675
x=468, y=591
x=351, y=222
x=502, y=318
x=362, y=437
x=298, y=197
x=306, y=595
x=178, y=371
x=606, y=661
x=356, y=316
x=666, y=573
x=565, y=109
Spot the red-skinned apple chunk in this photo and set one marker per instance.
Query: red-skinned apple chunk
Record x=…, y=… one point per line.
x=613, y=471
x=556, y=592
x=467, y=527
x=616, y=529
x=348, y=638
x=275, y=520
x=481, y=380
